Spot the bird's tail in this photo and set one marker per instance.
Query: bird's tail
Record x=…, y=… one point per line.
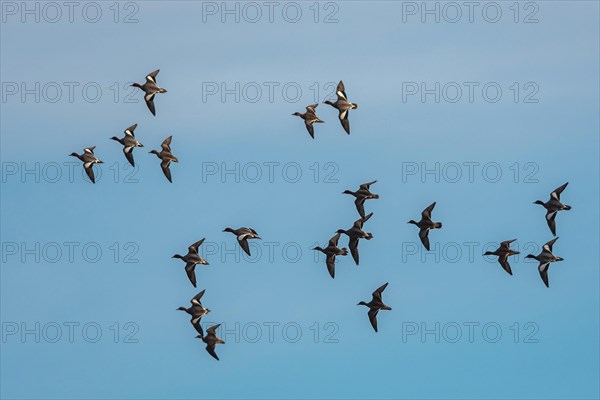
x=354, y=106
x=567, y=207
x=437, y=225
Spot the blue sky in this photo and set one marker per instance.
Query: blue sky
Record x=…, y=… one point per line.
x=534, y=146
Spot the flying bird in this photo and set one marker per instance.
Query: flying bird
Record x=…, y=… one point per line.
x=553, y=206
x=150, y=89
x=89, y=159
x=166, y=157
x=197, y=311
x=545, y=258
x=243, y=234
x=375, y=305
x=191, y=260
x=363, y=193
x=503, y=252
x=211, y=340
x=425, y=224
x=129, y=142
x=355, y=234
x=310, y=118
x=343, y=106
x=331, y=251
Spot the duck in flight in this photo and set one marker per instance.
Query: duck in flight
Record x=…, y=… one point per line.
x=343, y=106
x=211, y=340
x=331, y=251
x=243, y=234
x=192, y=258
x=197, y=311
x=166, y=157
x=310, y=118
x=375, y=305
x=553, y=206
x=150, y=89
x=545, y=258
x=363, y=193
x=425, y=224
x=355, y=234
x=89, y=159
x=129, y=142
x=503, y=252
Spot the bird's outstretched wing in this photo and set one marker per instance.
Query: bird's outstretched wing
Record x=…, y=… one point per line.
x=556, y=193
x=190, y=270
x=427, y=212
x=373, y=318
x=377, y=293
x=166, y=170
x=151, y=77
x=194, y=247
x=503, y=260
x=424, y=236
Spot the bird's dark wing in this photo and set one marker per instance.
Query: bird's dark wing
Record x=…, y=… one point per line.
x=359, y=222
x=367, y=185
x=558, y=191
x=550, y=215
x=211, y=350
x=213, y=329
x=198, y=327
x=311, y=107
x=128, y=151
x=353, y=244
x=90, y=172
x=196, y=298
x=341, y=91
x=344, y=120
x=130, y=130
x=360, y=206
x=190, y=270
x=310, y=128
x=89, y=149
x=543, y=268
x=503, y=260
x=194, y=247
x=334, y=240
x=244, y=245
x=506, y=244
x=377, y=293
x=166, y=144
x=166, y=170
x=373, y=317
x=427, y=212
x=151, y=77
x=149, y=98
x=424, y=236
x=548, y=246
x=330, y=260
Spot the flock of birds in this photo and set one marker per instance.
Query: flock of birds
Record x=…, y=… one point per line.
x=354, y=233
